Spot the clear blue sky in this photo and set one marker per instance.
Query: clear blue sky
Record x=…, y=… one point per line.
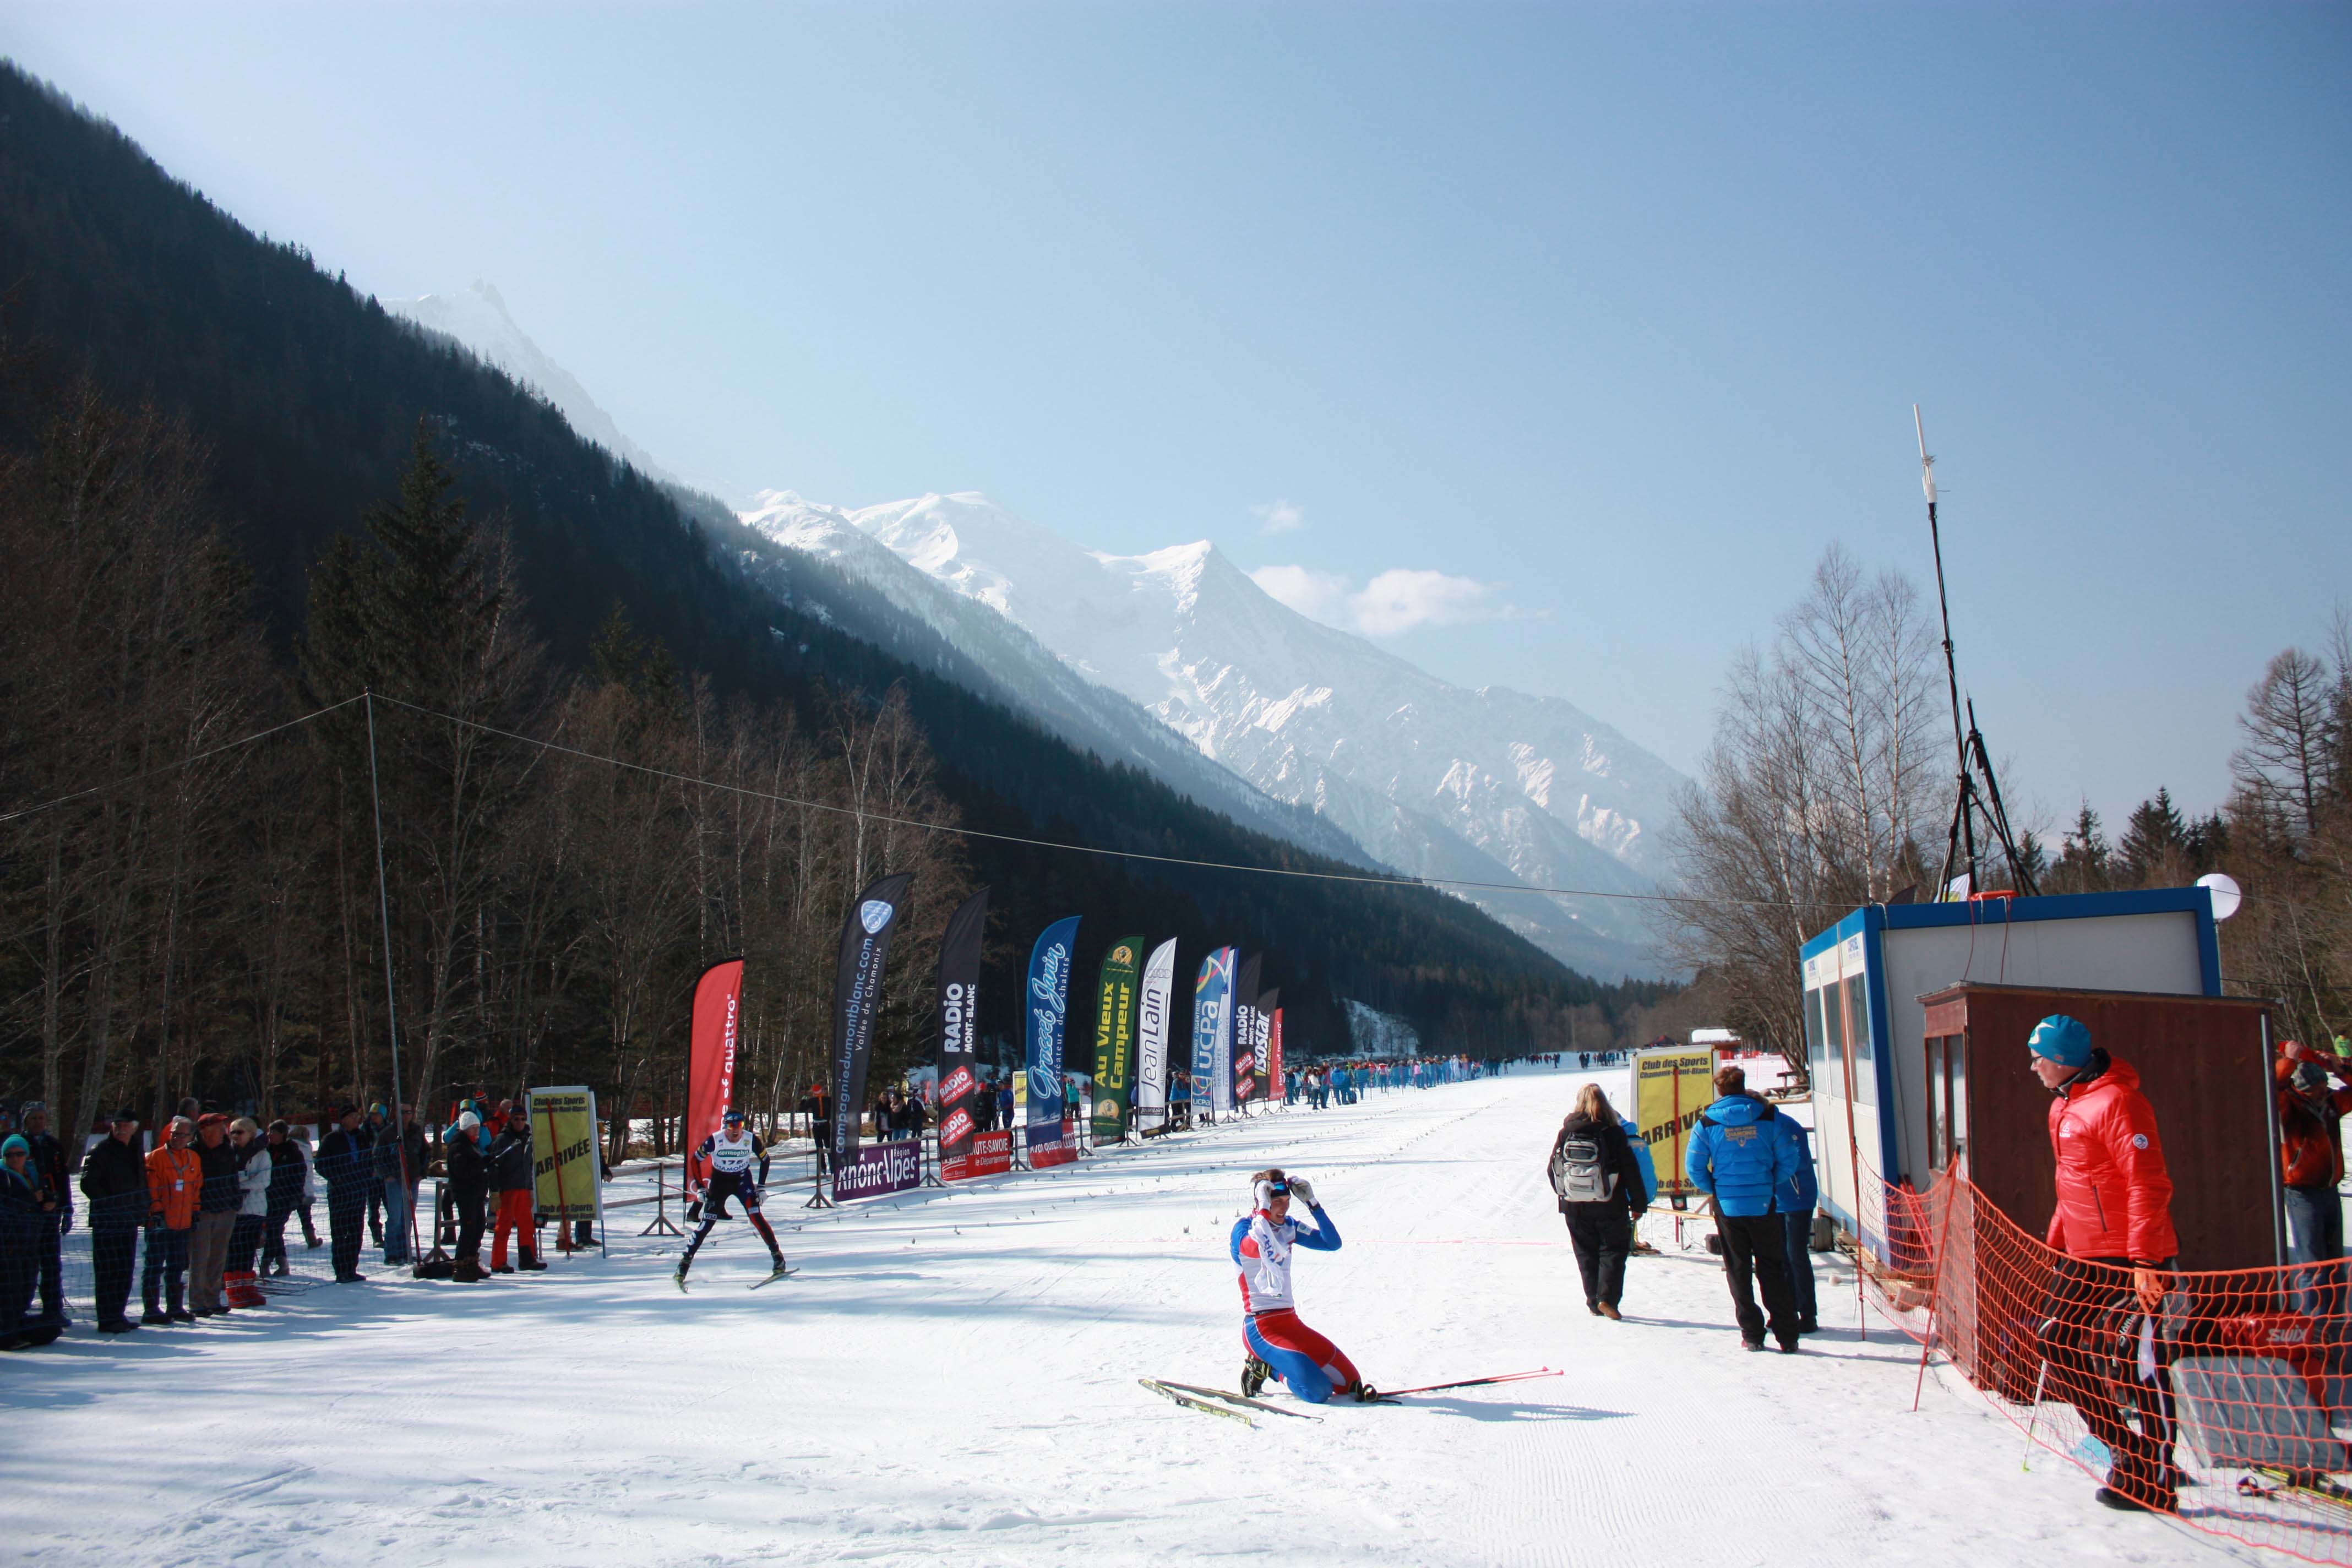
x=1618, y=313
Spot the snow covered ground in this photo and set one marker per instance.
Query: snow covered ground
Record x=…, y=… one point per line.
x=954, y=1375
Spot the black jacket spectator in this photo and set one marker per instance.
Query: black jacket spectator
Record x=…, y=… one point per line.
x=48, y=1167
x=1602, y=1231
x=509, y=1159
x=469, y=1168
x=114, y=1180
x=344, y=1158
x=388, y=1150
x=220, y=1165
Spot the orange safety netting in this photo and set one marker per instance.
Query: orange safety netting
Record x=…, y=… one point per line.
x=2228, y=1402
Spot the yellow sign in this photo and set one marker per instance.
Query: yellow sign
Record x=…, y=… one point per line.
x=564, y=1167
x=1671, y=1085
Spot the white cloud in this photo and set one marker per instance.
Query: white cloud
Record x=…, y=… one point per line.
x=1399, y=600
x=1318, y=595
x=1279, y=517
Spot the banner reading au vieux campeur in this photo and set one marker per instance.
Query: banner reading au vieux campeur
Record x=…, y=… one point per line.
x=1115, y=1038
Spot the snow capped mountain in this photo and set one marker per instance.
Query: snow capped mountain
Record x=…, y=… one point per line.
x=1176, y=662
x=1486, y=785
x=477, y=320
x=986, y=650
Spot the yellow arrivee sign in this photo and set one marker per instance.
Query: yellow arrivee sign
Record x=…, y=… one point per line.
x=1671, y=1087
x=564, y=1155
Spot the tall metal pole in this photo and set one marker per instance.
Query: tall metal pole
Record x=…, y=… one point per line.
x=1963, y=829
x=391, y=1015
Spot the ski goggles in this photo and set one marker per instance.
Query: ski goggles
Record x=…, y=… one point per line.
x=1278, y=1188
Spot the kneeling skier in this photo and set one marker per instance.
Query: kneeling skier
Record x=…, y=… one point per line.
x=1280, y=1346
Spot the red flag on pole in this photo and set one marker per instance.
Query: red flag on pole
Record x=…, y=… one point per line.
x=710, y=1059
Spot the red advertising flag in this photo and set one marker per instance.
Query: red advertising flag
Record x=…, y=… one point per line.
x=1274, y=1052
x=710, y=1059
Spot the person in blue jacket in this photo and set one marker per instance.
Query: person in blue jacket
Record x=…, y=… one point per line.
x=1795, y=1198
x=1649, y=1175
x=1738, y=1157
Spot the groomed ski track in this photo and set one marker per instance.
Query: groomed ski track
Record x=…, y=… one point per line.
x=951, y=1377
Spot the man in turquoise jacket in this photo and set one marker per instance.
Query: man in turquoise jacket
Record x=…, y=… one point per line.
x=1739, y=1158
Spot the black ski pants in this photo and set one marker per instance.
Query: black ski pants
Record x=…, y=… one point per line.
x=113, y=1252
x=2090, y=1335
x=1755, y=1258
x=346, y=1225
x=470, y=1215
x=1602, y=1234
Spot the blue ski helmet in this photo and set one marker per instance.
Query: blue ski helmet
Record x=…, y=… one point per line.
x=2061, y=1039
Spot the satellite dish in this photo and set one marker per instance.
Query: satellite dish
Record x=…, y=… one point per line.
x=2227, y=895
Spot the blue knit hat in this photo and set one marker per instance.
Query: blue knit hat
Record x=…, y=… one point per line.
x=2061, y=1039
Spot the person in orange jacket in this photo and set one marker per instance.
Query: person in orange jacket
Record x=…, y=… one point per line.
x=2113, y=1221
x=174, y=1180
x=2311, y=1167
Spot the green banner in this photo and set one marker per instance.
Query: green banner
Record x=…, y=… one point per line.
x=1115, y=1038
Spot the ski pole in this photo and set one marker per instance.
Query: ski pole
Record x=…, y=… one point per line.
x=2025, y=1460
x=1474, y=1382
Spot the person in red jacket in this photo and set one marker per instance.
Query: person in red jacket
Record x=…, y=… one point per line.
x=2311, y=1169
x=2114, y=1224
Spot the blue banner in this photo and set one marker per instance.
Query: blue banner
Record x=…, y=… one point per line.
x=1210, y=993
x=1049, y=1008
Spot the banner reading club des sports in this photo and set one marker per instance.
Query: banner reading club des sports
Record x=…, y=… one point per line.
x=564, y=1165
x=1152, y=1036
x=1671, y=1085
x=710, y=1059
x=1115, y=1038
x=1048, y=1007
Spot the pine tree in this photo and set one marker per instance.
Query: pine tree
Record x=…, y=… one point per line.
x=2083, y=857
x=2152, y=850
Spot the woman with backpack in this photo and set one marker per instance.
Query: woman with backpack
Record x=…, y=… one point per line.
x=1602, y=1192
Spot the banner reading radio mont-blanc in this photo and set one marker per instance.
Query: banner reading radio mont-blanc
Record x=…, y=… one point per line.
x=857, y=998
x=1115, y=1036
x=1212, y=1030
x=1049, y=1010
x=1152, y=1036
x=710, y=1048
x=1244, y=1066
x=1269, y=1065
x=957, y=1017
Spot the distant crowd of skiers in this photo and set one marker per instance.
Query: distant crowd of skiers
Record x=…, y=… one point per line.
x=200, y=1218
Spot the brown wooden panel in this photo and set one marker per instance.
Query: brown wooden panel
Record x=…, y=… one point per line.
x=2202, y=1065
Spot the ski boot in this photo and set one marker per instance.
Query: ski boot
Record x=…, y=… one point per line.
x=1254, y=1375
x=678, y=1278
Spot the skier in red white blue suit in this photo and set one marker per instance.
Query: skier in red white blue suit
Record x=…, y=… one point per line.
x=1280, y=1346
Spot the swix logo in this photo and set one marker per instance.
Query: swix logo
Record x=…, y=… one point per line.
x=956, y=1128
x=957, y=1086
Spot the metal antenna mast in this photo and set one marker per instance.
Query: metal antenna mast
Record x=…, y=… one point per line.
x=1968, y=802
